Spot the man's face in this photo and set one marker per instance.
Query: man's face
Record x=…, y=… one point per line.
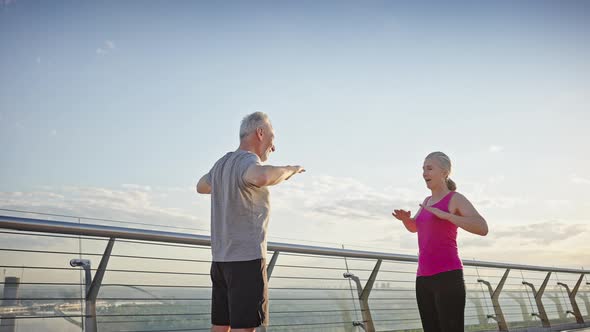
x=267, y=143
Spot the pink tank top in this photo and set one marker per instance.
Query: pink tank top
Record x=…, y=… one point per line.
x=437, y=240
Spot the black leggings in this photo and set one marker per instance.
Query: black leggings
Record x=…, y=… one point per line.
x=441, y=301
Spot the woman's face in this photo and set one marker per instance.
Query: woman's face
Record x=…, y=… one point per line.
x=433, y=174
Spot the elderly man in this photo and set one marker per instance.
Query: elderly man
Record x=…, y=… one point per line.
x=239, y=218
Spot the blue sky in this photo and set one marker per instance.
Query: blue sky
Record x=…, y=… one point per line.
x=114, y=110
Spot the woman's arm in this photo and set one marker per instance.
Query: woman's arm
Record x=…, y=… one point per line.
x=464, y=215
x=405, y=217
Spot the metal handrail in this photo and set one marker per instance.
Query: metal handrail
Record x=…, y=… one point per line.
x=15, y=225
x=60, y=227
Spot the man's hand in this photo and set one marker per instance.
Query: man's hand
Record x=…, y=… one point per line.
x=296, y=170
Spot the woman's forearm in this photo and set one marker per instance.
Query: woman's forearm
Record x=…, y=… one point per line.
x=410, y=225
x=474, y=224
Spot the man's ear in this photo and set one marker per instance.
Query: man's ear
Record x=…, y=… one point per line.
x=259, y=133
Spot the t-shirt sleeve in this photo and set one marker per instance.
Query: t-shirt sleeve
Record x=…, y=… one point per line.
x=245, y=163
x=208, y=177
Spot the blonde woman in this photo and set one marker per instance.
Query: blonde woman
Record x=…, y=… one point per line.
x=440, y=287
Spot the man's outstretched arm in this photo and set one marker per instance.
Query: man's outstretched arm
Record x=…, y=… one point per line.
x=203, y=186
x=266, y=175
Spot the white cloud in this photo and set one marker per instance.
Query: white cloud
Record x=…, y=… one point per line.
x=543, y=233
x=326, y=209
x=136, y=187
x=579, y=180
x=344, y=198
x=485, y=194
x=106, y=47
x=496, y=148
x=559, y=243
x=53, y=132
x=496, y=179
x=505, y=202
x=38, y=59
x=131, y=203
x=559, y=204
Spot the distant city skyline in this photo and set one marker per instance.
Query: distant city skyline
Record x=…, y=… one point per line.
x=114, y=110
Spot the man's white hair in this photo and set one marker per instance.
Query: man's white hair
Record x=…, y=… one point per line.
x=251, y=122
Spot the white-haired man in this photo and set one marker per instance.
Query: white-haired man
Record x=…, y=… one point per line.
x=239, y=217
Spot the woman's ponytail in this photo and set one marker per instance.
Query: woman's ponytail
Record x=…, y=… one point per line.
x=451, y=184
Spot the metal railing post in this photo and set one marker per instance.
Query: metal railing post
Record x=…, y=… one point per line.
x=85, y=264
x=271, y=264
x=542, y=314
x=269, y=268
x=8, y=321
x=93, y=285
x=572, y=295
x=495, y=295
x=587, y=301
x=363, y=294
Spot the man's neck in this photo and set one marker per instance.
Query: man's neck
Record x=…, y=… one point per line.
x=247, y=146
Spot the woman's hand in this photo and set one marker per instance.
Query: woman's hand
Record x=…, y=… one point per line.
x=402, y=215
x=406, y=218
x=437, y=212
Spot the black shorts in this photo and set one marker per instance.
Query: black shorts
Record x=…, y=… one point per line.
x=239, y=294
x=441, y=301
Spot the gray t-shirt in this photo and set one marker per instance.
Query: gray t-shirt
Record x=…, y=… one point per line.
x=239, y=210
